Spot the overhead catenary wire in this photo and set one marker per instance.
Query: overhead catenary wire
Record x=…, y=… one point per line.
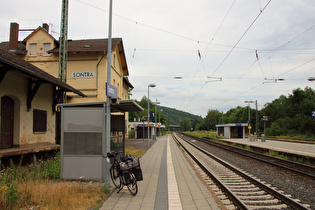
x=261, y=52
x=163, y=30
x=272, y=51
x=225, y=58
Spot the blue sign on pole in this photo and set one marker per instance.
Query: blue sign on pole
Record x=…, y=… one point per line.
x=111, y=91
x=151, y=115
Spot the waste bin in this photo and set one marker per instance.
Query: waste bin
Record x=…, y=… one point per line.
x=263, y=137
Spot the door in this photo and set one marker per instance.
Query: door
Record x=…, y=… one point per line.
x=7, y=117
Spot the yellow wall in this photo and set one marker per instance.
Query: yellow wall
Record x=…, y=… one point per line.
x=94, y=88
x=48, y=63
x=14, y=85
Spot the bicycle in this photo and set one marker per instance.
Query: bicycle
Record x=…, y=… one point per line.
x=121, y=178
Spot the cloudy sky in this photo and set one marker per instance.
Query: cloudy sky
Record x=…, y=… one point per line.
x=225, y=51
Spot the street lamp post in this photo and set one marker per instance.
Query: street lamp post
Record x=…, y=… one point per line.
x=155, y=129
x=249, y=125
x=263, y=137
x=151, y=85
x=161, y=110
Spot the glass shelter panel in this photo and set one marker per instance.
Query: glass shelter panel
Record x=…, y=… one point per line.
x=83, y=131
x=87, y=119
x=82, y=143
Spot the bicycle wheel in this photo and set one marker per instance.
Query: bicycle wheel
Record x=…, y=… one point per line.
x=132, y=186
x=114, y=175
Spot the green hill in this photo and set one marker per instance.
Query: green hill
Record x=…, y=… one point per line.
x=174, y=116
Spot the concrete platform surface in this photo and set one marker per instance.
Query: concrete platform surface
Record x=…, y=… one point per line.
x=281, y=146
x=169, y=183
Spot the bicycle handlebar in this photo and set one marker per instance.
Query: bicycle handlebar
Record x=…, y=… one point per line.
x=111, y=154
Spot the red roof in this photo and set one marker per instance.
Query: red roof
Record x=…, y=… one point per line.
x=89, y=45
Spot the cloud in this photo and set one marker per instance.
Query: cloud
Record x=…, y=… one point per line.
x=162, y=40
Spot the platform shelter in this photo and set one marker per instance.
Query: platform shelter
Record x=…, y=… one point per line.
x=232, y=130
x=83, y=137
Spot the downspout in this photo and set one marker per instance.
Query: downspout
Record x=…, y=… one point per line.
x=97, y=69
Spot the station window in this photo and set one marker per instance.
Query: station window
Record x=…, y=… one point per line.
x=32, y=49
x=39, y=120
x=46, y=47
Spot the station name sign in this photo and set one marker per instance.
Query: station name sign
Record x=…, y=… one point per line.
x=111, y=91
x=83, y=74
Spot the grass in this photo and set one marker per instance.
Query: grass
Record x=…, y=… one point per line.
x=210, y=134
x=135, y=152
x=39, y=187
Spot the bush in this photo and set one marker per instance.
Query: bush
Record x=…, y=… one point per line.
x=51, y=168
x=274, y=130
x=132, y=134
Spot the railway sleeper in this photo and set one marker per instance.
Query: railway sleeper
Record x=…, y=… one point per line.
x=231, y=178
x=238, y=183
x=261, y=192
x=238, y=186
x=226, y=180
x=281, y=206
x=263, y=202
x=256, y=197
x=253, y=189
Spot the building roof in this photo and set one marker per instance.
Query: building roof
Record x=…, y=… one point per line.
x=35, y=31
x=89, y=45
x=96, y=45
x=122, y=106
x=233, y=125
x=126, y=81
x=19, y=50
x=9, y=60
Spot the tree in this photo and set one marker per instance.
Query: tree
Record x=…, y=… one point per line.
x=186, y=124
x=212, y=119
x=291, y=114
x=274, y=130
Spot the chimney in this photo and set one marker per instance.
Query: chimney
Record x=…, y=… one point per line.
x=46, y=27
x=14, y=36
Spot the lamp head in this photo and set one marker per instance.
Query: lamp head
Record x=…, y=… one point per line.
x=152, y=85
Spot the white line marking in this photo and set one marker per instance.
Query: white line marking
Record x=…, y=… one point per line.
x=174, y=201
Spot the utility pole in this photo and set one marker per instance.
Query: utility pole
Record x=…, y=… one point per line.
x=257, y=121
x=107, y=125
x=63, y=45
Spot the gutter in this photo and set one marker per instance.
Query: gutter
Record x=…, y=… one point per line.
x=97, y=68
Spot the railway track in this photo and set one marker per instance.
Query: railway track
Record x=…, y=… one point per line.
x=240, y=188
x=295, y=167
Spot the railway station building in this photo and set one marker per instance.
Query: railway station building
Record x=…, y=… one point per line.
x=232, y=130
x=28, y=98
x=86, y=71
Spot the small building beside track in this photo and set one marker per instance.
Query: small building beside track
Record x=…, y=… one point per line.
x=232, y=130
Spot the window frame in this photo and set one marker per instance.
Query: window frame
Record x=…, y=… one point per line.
x=43, y=51
x=29, y=49
x=39, y=121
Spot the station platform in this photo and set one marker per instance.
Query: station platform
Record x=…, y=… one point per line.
x=301, y=149
x=169, y=182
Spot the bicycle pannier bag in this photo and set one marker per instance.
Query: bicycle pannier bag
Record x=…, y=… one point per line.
x=138, y=173
x=129, y=164
x=135, y=161
x=123, y=166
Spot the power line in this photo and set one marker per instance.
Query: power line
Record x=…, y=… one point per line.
x=261, y=11
x=163, y=30
x=231, y=50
